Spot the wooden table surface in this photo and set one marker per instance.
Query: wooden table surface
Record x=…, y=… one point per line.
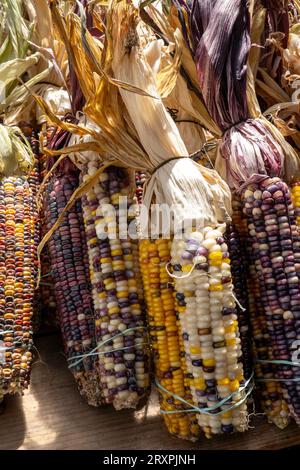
x=51, y=415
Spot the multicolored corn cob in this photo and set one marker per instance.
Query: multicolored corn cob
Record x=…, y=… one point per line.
x=269, y=394
x=239, y=279
x=275, y=244
x=201, y=268
x=46, y=289
x=118, y=301
x=69, y=265
x=166, y=338
x=18, y=246
x=34, y=181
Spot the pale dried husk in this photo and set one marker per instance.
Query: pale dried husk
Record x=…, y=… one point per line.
x=46, y=41
x=31, y=53
x=179, y=102
x=57, y=98
x=81, y=158
x=283, y=101
x=170, y=29
x=198, y=193
x=137, y=130
x=16, y=156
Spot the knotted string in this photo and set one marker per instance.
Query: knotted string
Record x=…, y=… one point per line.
x=210, y=409
x=95, y=351
x=184, y=276
x=278, y=362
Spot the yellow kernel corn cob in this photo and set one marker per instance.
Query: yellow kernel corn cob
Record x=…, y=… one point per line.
x=269, y=393
x=295, y=191
x=18, y=216
x=166, y=338
x=117, y=294
x=208, y=318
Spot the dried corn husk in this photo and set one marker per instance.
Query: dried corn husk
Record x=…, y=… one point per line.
x=176, y=97
x=282, y=101
x=221, y=53
x=168, y=28
x=57, y=99
x=119, y=137
x=24, y=60
x=15, y=30
x=16, y=155
x=196, y=192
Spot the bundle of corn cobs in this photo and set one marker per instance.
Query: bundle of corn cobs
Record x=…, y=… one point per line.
x=158, y=265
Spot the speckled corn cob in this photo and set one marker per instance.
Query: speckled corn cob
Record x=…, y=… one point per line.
x=296, y=201
x=275, y=244
x=46, y=289
x=34, y=180
x=117, y=294
x=166, y=338
x=239, y=279
x=18, y=215
x=269, y=393
x=209, y=323
x=69, y=264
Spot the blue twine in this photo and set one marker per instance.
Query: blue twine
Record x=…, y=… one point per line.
x=278, y=361
x=47, y=274
x=7, y=349
x=279, y=380
x=209, y=410
x=93, y=351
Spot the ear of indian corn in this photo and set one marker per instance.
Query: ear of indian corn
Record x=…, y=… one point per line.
x=269, y=393
x=203, y=285
x=118, y=300
x=34, y=180
x=18, y=216
x=69, y=265
x=165, y=332
x=46, y=288
x=239, y=279
x=166, y=338
x=275, y=244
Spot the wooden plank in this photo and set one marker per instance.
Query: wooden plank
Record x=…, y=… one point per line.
x=51, y=415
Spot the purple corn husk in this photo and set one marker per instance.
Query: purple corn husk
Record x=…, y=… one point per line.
x=220, y=32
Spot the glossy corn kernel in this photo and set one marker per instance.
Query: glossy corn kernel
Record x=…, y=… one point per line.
x=166, y=338
x=118, y=298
